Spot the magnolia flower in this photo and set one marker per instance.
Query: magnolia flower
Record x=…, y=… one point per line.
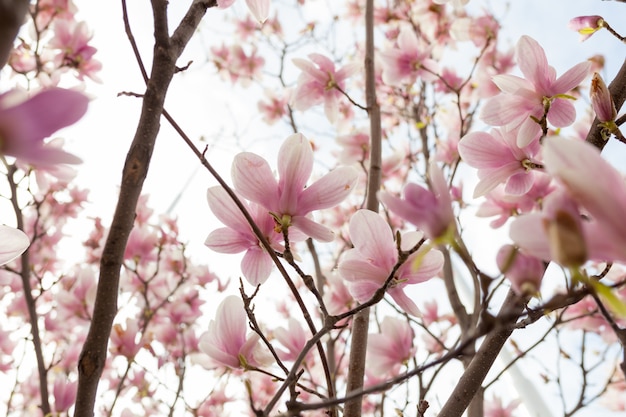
x=431, y=211
x=524, y=101
x=13, y=242
x=290, y=200
x=226, y=341
x=320, y=82
x=367, y=266
x=393, y=347
x=525, y=272
x=408, y=61
x=26, y=122
x=238, y=236
x=499, y=160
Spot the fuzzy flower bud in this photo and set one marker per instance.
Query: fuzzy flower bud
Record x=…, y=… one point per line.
x=601, y=99
x=586, y=25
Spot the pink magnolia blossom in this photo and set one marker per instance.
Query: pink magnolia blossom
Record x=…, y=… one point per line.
x=408, y=61
x=393, y=347
x=24, y=123
x=586, y=25
x=499, y=159
x=13, y=242
x=523, y=101
x=238, y=236
x=319, y=83
x=64, y=393
x=496, y=408
x=72, y=39
x=367, y=266
x=431, y=211
x=293, y=338
x=289, y=199
x=226, y=341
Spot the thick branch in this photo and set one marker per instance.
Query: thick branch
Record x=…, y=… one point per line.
x=360, y=324
x=474, y=375
x=12, y=13
x=93, y=355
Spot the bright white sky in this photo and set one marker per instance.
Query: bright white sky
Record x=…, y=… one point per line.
x=197, y=100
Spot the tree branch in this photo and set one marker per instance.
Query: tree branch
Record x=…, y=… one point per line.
x=12, y=13
x=93, y=355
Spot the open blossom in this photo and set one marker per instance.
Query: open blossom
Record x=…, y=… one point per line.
x=72, y=39
x=238, y=236
x=13, y=242
x=499, y=160
x=430, y=210
x=524, y=101
x=319, y=83
x=388, y=350
x=367, y=266
x=26, y=122
x=408, y=61
x=289, y=199
x=226, y=341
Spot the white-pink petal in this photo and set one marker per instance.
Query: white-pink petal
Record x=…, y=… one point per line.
x=13, y=242
x=253, y=179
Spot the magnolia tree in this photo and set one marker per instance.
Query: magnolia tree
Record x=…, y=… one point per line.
x=362, y=286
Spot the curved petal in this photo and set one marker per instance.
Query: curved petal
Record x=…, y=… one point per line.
x=562, y=113
x=482, y=150
x=253, y=179
x=260, y=9
x=295, y=163
x=312, y=229
x=256, y=266
x=373, y=238
x=225, y=209
x=533, y=63
x=225, y=240
x=13, y=242
x=404, y=302
x=329, y=190
x=520, y=183
x=421, y=266
x=528, y=233
x=571, y=78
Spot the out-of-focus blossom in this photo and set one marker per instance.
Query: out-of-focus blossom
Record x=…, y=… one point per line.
x=226, y=341
x=586, y=25
x=13, y=242
x=496, y=408
x=429, y=210
x=25, y=122
x=388, y=350
x=525, y=272
x=64, y=393
x=72, y=39
x=275, y=109
x=408, y=61
x=290, y=200
x=260, y=9
x=320, y=82
x=524, y=101
x=367, y=266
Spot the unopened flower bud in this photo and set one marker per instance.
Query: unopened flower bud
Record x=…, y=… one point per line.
x=586, y=25
x=601, y=100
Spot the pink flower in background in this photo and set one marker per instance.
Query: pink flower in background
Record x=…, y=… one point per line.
x=64, y=393
x=289, y=199
x=408, y=61
x=260, y=9
x=293, y=339
x=238, y=236
x=430, y=211
x=13, y=242
x=319, y=83
x=496, y=408
x=523, y=99
x=367, y=266
x=72, y=39
x=26, y=122
x=226, y=341
x=388, y=350
x=499, y=160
